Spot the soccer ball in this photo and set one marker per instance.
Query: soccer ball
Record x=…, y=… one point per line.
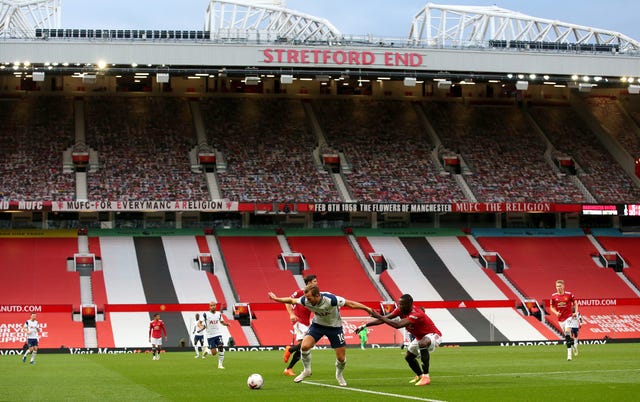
x=255, y=381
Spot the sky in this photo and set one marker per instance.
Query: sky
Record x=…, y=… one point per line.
x=381, y=18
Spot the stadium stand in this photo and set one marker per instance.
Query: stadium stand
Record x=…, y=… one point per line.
x=143, y=143
x=269, y=148
x=615, y=122
x=602, y=175
x=34, y=132
x=253, y=267
x=270, y=122
x=34, y=271
x=339, y=271
x=388, y=149
x=627, y=247
x=507, y=162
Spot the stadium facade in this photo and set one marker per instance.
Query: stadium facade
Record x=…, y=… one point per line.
x=264, y=47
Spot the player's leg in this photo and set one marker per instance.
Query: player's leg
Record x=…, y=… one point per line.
x=336, y=338
x=211, y=346
x=568, y=341
x=341, y=362
x=411, y=357
x=195, y=346
x=307, y=344
x=294, y=352
x=27, y=351
x=34, y=352
x=574, y=338
x=220, y=347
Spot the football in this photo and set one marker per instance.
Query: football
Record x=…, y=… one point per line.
x=255, y=381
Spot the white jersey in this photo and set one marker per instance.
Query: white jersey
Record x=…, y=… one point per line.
x=32, y=329
x=212, y=323
x=327, y=312
x=196, y=329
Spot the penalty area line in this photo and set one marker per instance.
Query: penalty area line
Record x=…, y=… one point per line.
x=366, y=391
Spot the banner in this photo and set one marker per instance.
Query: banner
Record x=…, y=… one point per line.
x=321, y=207
x=107, y=205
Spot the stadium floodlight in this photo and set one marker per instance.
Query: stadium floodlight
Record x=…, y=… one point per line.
x=634, y=89
x=162, y=78
x=38, y=76
x=410, y=81
x=286, y=79
x=444, y=84
x=522, y=85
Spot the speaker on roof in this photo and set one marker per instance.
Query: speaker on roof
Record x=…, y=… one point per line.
x=410, y=81
x=444, y=84
x=582, y=87
x=38, y=76
x=522, y=85
x=162, y=78
x=252, y=80
x=634, y=89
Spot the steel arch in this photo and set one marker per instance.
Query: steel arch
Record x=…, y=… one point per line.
x=460, y=26
x=269, y=19
x=20, y=18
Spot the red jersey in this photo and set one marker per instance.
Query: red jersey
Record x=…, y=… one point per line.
x=157, y=329
x=564, y=304
x=302, y=313
x=420, y=323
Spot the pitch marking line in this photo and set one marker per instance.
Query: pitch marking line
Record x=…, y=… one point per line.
x=366, y=391
x=538, y=373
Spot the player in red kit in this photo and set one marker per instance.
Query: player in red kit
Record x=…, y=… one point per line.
x=565, y=307
x=301, y=319
x=156, y=331
x=426, y=335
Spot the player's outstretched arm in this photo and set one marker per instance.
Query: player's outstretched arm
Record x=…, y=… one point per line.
x=378, y=321
x=287, y=300
x=358, y=306
x=394, y=323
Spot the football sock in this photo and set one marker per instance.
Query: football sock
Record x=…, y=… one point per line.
x=424, y=356
x=340, y=365
x=306, y=359
x=294, y=359
x=568, y=340
x=294, y=349
x=220, y=356
x=33, y=355
x=413, y=363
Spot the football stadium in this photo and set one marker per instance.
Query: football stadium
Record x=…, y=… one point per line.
x=470, y=164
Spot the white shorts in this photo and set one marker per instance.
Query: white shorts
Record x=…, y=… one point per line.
x=156, y=341
x=299, y=330
x=435, y=339
x=571, y=322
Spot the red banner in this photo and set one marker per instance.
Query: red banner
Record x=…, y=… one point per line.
x=36, y=308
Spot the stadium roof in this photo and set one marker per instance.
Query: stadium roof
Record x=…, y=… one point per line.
x=451, y=26
x=266, y=37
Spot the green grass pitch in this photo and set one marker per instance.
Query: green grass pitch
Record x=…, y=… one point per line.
x=609, y=372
